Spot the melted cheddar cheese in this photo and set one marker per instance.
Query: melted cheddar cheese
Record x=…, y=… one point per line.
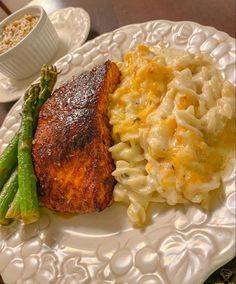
x=173, y=124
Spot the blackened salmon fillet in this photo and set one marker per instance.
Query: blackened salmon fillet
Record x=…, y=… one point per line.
x=70, y=149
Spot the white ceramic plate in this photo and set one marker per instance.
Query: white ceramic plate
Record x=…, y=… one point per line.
x=183, y=245
x=72, y=26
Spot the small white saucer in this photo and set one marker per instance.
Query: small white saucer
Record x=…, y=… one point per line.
x=72, y=26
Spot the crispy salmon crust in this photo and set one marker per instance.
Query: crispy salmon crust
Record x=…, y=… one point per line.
x=70, y=150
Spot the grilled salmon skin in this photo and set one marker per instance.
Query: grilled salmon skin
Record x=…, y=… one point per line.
x=70, y=150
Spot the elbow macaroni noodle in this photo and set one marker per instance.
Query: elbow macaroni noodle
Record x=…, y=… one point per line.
x=173, y=128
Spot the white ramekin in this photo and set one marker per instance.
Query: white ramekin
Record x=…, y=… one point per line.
x=37, y=48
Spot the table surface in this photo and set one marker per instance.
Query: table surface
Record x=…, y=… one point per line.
x=107, y=15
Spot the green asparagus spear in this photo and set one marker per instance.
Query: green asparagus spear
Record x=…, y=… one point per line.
x=47, y=82
x=7, y=194
x=26, y=176
x=41, y=92
x=8, y=160
x=14, y=209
